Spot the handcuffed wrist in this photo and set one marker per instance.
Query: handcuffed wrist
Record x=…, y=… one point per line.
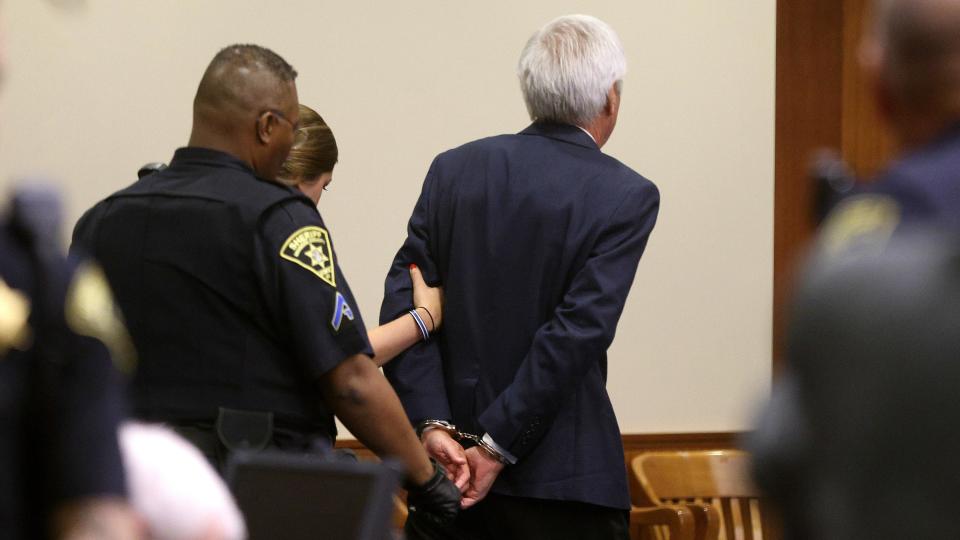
x=427, y=425
x=486, y=447
x=510, y=458
x=491, y=452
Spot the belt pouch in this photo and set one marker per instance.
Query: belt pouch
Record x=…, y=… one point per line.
x=244, y=430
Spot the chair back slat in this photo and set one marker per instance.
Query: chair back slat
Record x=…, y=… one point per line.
x=663, y=531
x=718, y=504
x=736, y=519
x=755, y=520
x=740, y=518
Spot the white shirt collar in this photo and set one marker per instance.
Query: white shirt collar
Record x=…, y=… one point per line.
x=588, y=133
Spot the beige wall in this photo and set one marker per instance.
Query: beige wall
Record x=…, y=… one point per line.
x=99, y=88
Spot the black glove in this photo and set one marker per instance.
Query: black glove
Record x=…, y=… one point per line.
x=436, y=502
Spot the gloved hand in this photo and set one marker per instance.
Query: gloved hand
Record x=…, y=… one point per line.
x=437, y=502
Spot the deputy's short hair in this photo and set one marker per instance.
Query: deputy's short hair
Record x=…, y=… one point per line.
x=568, y=67
x=249, y=55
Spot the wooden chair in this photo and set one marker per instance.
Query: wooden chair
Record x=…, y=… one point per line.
x=664, y=522
x=714, y=486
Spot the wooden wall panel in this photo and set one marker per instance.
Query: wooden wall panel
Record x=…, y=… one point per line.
x=866, y=142
x=808, y=117
x=824, y=100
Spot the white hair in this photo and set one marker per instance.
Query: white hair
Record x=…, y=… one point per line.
x=568, y=67
x=174, y=489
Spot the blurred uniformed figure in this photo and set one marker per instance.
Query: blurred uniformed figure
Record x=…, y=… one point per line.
x=860, y=438
x=61, y=397
x=912, y=55
x=247, y=331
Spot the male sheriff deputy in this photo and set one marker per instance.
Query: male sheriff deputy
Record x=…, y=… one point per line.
x=248, y=334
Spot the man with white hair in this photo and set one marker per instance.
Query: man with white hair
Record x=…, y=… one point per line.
x=536, y=239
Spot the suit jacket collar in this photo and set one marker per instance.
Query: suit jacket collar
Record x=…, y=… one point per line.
x=561, y=132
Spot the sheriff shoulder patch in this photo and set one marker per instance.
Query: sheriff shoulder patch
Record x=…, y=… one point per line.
x=14, y=312
x=861, y=222
x=309, y=247
x=90, y=311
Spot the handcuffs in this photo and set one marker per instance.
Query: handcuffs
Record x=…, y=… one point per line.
x=460, y=436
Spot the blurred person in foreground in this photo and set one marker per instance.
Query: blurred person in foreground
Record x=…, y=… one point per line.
x=535, y=238
x=248, y=334
x=860, y=436
x=176, y=493
x=61, y=396
x=911, y=54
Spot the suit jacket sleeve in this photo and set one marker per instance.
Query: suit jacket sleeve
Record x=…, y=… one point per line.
x=580, y=331
x=417, y=374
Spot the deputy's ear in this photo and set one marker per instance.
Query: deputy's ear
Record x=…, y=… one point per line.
x=266, y=122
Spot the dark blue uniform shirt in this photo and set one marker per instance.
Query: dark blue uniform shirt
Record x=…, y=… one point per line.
x=922, y=189
x=926, y=183
x=536, y=239
x=61, y=399
x=231, y=289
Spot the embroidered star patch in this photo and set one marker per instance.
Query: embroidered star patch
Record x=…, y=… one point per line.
x=309, y=247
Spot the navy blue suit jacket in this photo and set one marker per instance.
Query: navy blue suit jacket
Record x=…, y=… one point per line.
x=536, y=239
